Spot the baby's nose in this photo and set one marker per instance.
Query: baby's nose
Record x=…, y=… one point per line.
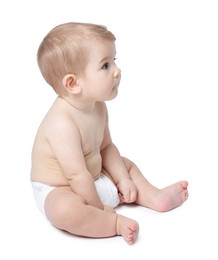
x=117, y=73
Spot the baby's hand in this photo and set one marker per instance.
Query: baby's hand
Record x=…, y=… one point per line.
x=127, y=190
x=109, y=209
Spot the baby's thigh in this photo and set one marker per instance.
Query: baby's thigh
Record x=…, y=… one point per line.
x=62, y=205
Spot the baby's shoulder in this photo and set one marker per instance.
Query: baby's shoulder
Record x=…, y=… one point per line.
x=57, y=117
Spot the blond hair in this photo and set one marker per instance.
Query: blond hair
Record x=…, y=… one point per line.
x=64, y=50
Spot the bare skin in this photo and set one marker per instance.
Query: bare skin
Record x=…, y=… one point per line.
x=161, y=200
x=89, y=221
x=67, y=211
x=73, y=146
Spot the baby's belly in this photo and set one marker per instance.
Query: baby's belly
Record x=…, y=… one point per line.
x=51, y=173
x=52, y=176
x=94, y=165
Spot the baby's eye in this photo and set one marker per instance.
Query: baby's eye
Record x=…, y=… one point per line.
x=105, y=66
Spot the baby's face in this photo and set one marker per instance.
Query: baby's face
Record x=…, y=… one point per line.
x=102, y=76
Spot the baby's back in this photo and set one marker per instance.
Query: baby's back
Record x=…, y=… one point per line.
x=45, y=166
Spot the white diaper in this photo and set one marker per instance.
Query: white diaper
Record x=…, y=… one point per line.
x=40, y=192
x=106, y=189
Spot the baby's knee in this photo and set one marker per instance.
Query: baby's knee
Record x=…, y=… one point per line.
x=62, y=211
x=63, y=215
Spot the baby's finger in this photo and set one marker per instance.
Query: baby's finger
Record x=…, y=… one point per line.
x=133, y=195
x=122, y=198
x=127, y=196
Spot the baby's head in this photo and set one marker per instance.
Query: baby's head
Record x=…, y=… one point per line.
x=65, y=50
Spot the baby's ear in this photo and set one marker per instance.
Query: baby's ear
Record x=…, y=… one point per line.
x=70, y=84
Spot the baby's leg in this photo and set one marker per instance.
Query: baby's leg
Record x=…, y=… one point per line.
x=67, y=211
x=151, y=197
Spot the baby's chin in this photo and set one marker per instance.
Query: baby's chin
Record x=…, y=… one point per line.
x=114, y=93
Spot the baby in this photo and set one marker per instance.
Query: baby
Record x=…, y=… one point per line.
x=78, y=175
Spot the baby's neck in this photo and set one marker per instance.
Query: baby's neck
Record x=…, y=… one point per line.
x=80, y=106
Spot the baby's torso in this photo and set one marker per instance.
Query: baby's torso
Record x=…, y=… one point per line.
x=45, y=166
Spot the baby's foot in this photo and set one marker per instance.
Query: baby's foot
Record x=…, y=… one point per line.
x=172, y=196
x=127, y=228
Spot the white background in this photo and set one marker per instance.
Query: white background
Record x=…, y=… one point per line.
x=164, y=119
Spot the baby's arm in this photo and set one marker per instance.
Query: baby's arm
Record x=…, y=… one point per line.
x=113, y=163
x=64, y=138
